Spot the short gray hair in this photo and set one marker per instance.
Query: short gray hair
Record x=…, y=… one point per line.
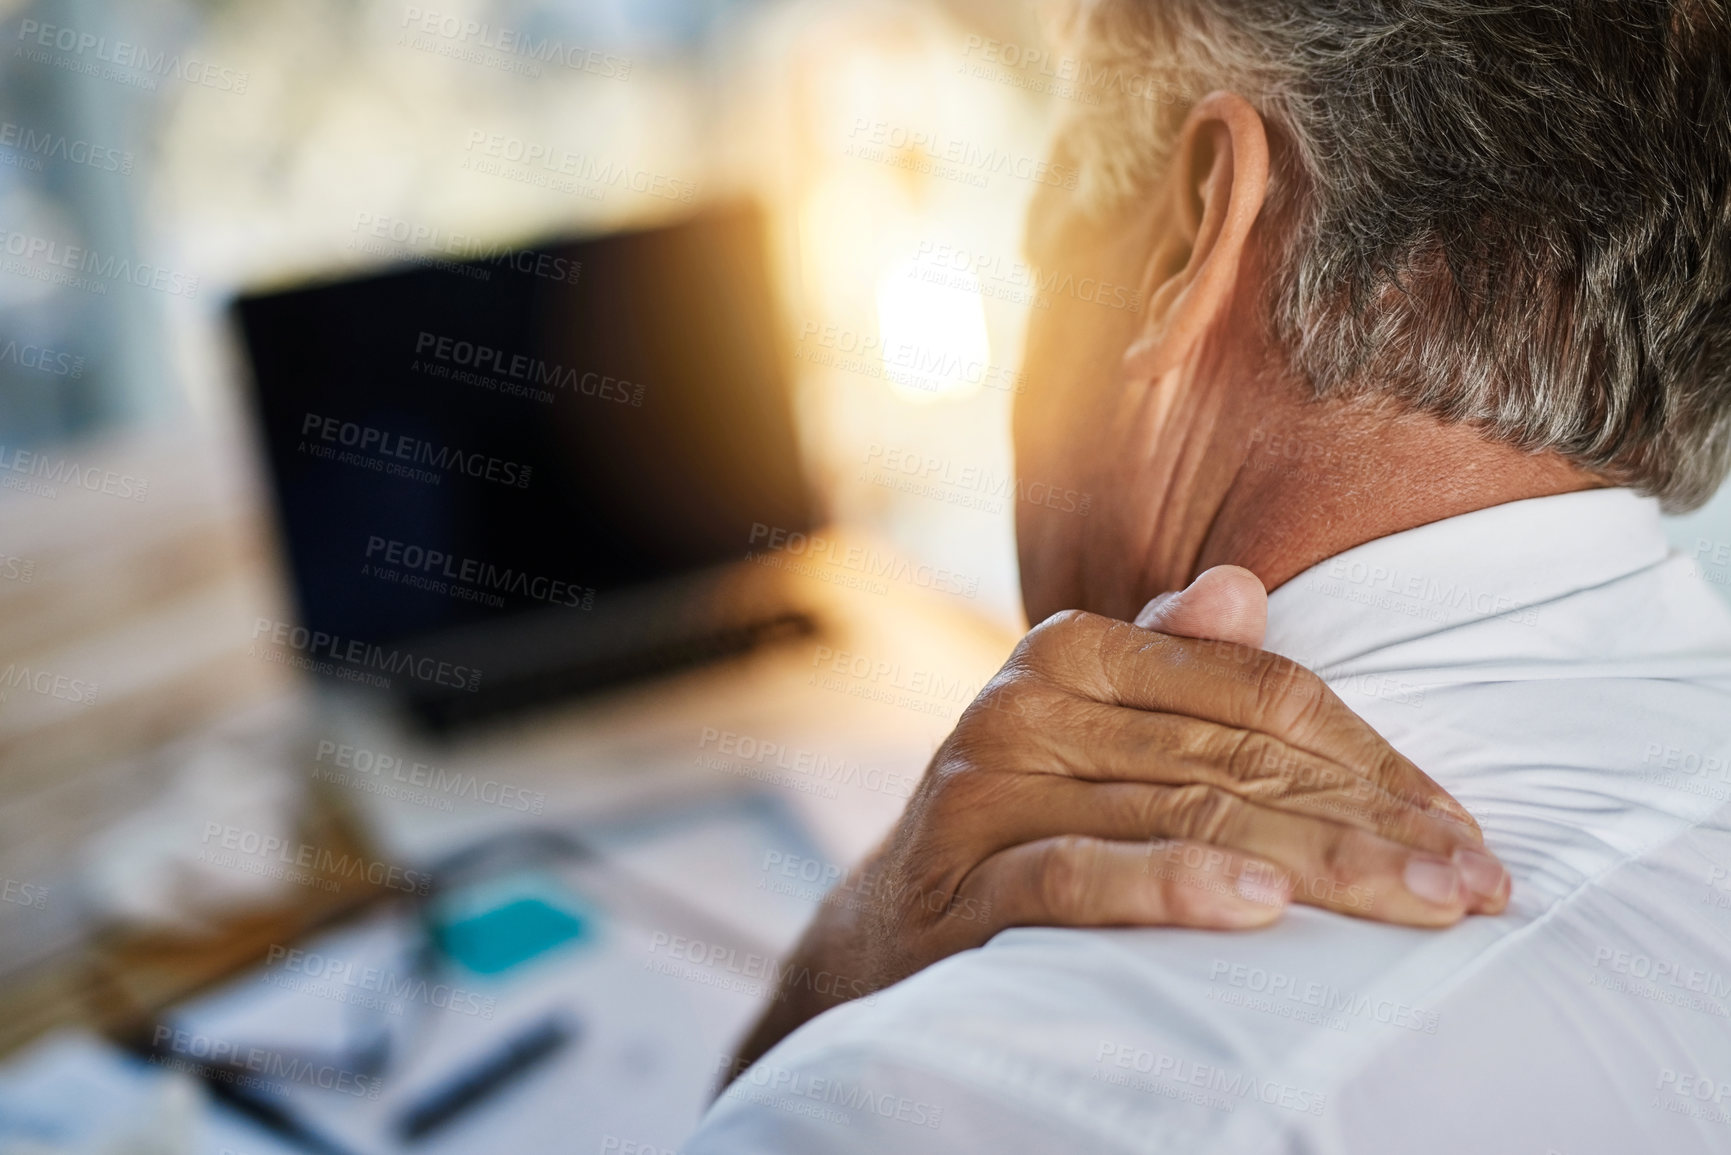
x=1511, y=213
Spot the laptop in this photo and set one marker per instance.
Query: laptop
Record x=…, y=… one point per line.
x=507, y=479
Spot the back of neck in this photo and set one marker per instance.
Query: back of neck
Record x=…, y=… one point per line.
x=1334, y=477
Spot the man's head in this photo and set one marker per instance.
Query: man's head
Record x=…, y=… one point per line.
x=1507, y=221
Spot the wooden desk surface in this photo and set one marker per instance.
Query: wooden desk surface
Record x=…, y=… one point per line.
x=153, y=602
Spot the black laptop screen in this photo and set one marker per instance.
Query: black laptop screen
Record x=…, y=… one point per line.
x=454, y=443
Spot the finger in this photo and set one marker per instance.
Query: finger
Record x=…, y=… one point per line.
x=1072, y=880
x=1334, y=865
x=1224, y=604
x=1107, y=743
x=1119, y=664
x=1229, y=604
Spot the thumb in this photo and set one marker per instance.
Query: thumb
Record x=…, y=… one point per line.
x=1224, y=604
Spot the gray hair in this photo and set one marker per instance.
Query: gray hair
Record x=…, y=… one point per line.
x=1511, y=213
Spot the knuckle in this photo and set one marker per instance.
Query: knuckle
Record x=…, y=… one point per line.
x=1340, y=857
x=1199, y=813
x=957, y=789
x=1056, y=628
x=1389, y=770
x=1195, y=743
x=1066, y=875
x=1065, y=619
x=998, y=702
x=1056, y=638
x=1287, y=695
x=1186, y=901
x=1365, y=799
x=1020, y=701
x=1254, y=758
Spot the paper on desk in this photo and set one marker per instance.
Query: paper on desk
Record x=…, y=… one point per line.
x=322, y=998
x=743, y=859
x=656, y=1002
x=640, y=1071
x=76, y=1093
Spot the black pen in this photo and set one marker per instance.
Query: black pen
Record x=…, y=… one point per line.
x=518, y=1055
x=273, y=1117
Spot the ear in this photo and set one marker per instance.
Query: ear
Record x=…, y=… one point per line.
x=1214, y=191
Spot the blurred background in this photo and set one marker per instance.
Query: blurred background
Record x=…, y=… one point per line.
x=255, y=896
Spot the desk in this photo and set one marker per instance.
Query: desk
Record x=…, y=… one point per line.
x=153, y=602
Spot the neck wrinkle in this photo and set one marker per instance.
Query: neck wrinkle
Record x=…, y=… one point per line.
x=1278, y=520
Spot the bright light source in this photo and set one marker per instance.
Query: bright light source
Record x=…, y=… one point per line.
x=933, y=331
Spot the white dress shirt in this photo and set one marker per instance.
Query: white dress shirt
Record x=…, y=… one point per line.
x=1553, y=668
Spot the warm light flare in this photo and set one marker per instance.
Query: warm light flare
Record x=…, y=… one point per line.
x=933, y=331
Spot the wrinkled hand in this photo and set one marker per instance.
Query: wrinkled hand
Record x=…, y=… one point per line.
x=1166, y=773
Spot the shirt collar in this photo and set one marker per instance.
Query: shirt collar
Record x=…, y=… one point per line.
x=1499, y=562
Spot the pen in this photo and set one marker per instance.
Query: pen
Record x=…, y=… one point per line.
x=517, y=1056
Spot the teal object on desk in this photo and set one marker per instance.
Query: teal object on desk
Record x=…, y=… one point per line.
x=495, y=926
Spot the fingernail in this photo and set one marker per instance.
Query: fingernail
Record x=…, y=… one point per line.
x=1154, y=606
x=1483, y=874
x=1263, y=891
x=1453, y=811
x=1433, y=879
x=1259, y=902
